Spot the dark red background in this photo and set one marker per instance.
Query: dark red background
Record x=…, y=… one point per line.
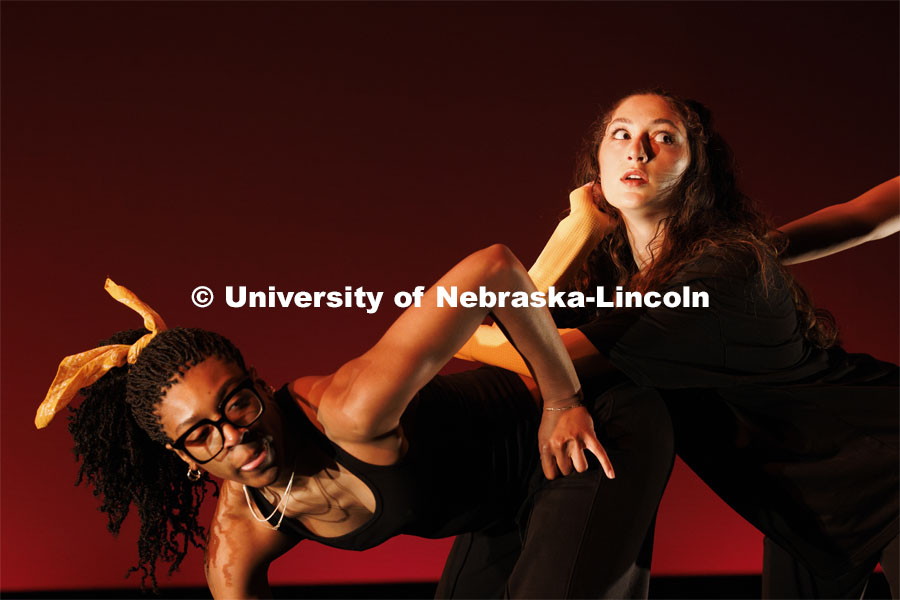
x=312, y=146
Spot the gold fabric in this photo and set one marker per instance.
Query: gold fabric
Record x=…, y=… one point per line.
x=82, y=369
x=574, y=238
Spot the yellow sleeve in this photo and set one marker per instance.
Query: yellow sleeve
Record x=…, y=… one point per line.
x=574, y=238
x=571, y=242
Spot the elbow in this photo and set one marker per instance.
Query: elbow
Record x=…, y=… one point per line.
x=495, y=260
x=498, y=254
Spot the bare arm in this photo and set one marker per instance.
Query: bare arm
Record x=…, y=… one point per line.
x=371, y=392
x=240, y=549
x=871, y=216
x=366, y=397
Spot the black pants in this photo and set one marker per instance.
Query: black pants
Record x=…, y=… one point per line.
x=785, y=577
x=585, y=536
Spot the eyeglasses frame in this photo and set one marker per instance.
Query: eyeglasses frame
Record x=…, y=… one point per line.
x=246, y=384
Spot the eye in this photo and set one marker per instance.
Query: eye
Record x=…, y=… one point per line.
x=199, y=435
x=241, y=402
x=665, y=137
x=620, y=134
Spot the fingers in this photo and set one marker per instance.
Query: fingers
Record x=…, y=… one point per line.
x=562, y=459
x=571, y=456
x=564, y=441
x=555, y=459
x=593, y=444
x=576, y=455
x=548, y=463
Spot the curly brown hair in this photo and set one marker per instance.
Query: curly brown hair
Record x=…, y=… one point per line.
x=121, y=444
x=710, y=212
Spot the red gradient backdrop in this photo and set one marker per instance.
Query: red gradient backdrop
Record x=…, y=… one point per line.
x=313, y=146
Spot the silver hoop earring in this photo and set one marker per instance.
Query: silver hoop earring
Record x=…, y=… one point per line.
x=194, y=474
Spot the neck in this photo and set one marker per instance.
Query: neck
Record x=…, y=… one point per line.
x=642, y=236
x=301, y=455
x=304, y=460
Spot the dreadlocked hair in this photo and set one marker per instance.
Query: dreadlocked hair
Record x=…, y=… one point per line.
x=708, y=212
x=120, y=442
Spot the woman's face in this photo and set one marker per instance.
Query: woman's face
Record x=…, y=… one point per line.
x=643, y=152
x=250, y=455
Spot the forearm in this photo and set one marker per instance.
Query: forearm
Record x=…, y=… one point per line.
x=370, y=393
x=227, y=585
x=566, y=251
x=531, y=330
x=232, y=592
x=871, y=216
x=494, y=349
x=488, y=345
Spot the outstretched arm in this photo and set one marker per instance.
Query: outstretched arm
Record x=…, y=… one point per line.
x=365, y=398
x=871, y=216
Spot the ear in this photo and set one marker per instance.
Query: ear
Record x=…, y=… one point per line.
x=260, y=381
x=183, y=457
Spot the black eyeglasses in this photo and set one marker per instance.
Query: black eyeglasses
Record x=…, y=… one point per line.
x=240, y=408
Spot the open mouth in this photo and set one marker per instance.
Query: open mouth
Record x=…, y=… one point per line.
x=634, y=178
x=257, y=459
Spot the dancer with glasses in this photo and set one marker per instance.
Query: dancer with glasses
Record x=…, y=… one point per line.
x=379, y=448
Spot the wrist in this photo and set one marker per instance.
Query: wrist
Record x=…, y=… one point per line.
x=572, y=401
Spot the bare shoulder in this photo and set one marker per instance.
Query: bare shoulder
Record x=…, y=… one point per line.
x=234, y=524
x=309, y=387
x=239, y=548
x=325, y=400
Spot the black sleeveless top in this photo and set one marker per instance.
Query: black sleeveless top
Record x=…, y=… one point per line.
x=472, y=453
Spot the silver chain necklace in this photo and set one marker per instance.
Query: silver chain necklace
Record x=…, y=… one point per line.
x=282, y=505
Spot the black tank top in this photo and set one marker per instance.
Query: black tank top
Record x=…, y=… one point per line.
x=472, y=454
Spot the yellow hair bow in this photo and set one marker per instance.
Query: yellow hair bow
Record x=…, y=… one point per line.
x=82, y=369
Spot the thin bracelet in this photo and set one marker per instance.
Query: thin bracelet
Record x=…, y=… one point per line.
x=576, y=405
x=579, y=396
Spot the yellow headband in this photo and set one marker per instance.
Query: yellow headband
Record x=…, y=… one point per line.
x=83, y=369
